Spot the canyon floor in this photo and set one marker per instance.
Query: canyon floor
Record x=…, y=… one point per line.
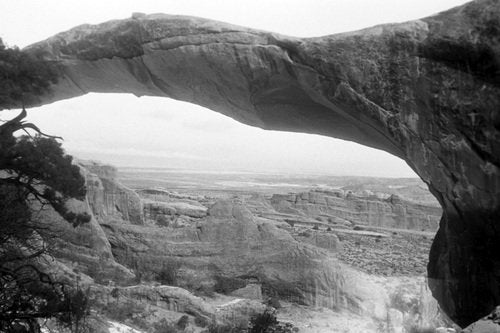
x=395, y=257
x=376, y=250
x=190, y=251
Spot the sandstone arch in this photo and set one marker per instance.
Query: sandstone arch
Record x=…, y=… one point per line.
x=427, y=91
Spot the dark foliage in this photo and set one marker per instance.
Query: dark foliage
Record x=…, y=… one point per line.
x=123, y=311
x=226, y=285
x=239, y=327
x=36, y=168
x=35, y=173
x=183, y=322
x=163, y=326
x=201, y=321
x=263, y=322
x=274, y=302
x=168, y=273
x=23, y=76
x=266, y=322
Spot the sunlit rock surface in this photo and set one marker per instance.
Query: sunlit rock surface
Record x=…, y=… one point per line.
x=231, y=251
x=427, y=91
x=391, y=212
x=86, y=248
x=231, y=248
x=109, y=199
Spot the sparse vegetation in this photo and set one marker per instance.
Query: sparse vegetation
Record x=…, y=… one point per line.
x=305, y=233
x=183, y=322
x=238, y=327
x=274, y=302
x=266, y=322
x=406, y=254
x=163, y=326
x=226, y=285
x=168, y=273
x=123, y=311
x=35, y=174
x=163, y=221
x=201, y=321
x=263, y=322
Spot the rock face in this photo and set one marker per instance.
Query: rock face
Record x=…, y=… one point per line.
x=372, y=211
x=230, y=249
x=427, y=91
x=85, y=248
x=109, y=199
x=226, y=249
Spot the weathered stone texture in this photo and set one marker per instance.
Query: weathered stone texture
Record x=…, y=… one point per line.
x=427, y=91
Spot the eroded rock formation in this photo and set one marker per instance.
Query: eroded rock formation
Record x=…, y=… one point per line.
x=427, y=91
x=356, y=209
x=227, y=249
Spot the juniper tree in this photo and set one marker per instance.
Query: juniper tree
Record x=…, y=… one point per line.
x=35, y=173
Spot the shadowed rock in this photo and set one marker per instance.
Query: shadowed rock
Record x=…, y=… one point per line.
x=427, y=91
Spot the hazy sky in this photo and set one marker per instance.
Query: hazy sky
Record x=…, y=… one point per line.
x=126, y=130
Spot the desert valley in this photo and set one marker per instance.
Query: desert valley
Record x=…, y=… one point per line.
x=210, y=250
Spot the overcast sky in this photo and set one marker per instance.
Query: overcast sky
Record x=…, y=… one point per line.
x=128, y=131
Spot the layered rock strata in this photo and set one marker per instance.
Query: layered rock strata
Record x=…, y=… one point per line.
x=231, y=249
x=338, y=207
x=427, y=91
x=228, y=250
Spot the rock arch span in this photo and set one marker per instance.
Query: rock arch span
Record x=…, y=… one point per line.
x=427, y=91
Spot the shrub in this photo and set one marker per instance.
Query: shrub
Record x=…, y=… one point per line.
x=123, y=311
x=183, y=322
x=266, y=322
x=226, y=285
x=168, y=273
x=201, y=321
x=274, y=302
x=163, y=326
x=305, y=234
x=263, y=322
x=162, y=221
x=316, y=227
x=228, y=328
